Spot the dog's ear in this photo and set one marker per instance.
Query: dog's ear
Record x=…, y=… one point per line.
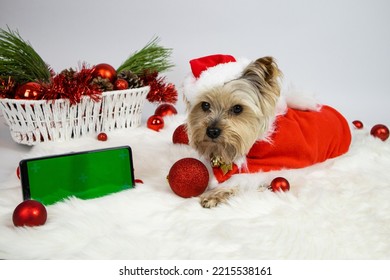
x=264, y=74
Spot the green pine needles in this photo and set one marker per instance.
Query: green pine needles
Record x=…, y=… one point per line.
x=19, y=60
x=152, y=58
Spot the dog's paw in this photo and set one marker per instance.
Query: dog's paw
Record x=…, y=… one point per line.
x=216, y=196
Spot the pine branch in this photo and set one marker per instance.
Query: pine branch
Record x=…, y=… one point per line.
x=19, y=60
x=152, y=58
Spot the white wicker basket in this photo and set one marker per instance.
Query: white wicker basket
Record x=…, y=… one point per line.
x=34, y=121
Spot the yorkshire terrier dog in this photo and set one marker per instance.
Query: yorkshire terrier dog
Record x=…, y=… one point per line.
x=227, y=123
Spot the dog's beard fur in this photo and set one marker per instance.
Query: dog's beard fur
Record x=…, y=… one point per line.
x=255, y=92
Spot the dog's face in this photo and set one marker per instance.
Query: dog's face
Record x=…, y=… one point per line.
x=226, y=121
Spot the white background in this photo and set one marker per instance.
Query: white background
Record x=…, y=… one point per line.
x=339, y=50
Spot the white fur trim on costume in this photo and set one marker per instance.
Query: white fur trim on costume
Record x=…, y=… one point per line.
x=212, y=77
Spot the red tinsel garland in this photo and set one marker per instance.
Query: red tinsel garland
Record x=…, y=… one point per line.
x=7, y=88
x=72, y=87
x=160, y=91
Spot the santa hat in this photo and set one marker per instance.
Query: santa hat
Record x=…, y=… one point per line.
x=211, y=71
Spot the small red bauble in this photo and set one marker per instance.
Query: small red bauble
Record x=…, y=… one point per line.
x=155, y=122
x=180, y=135
x=165, y=110
x=102, y=136
x=380, y=131
x=138, y=181
x=188, y=177
x=358, y=124
x=105, y=71
x=30, y=90
x=121, y=84
x=29, y=213
x=279, y=184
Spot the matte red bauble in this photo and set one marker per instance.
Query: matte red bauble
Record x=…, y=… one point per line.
x=165, y=110
x=102, y=136
x=358, y=124
x=188, y=177
x=380, y=131
x=105, y=71
x=30, y=90
x=155, y=122
x=180, y=135
x=121, y=84
x=29, y=213
x=279, y=184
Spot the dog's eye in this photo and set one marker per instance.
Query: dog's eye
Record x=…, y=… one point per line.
x=205, y=106
x=236, y=109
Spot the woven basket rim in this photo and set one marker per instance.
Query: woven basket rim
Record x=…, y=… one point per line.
x=105, y=93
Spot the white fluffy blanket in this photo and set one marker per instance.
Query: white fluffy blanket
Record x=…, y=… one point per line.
x=339, y=209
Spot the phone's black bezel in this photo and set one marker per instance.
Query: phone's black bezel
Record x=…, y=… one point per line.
x=24, y=173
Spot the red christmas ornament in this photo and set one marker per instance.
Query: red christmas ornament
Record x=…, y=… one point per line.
x=105, y=71
x=180, y=135
x=138, y=181
x=279, y=184
x=188, y=177
x=380, y=131
x=165, y=110
x=121, y=84
x=29, y=213
x=155, y=122
x=102, y=136
x=18, y=172
x=358, y=124
x=30, y=91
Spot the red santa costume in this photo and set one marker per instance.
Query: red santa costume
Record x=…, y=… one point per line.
x=300, y=137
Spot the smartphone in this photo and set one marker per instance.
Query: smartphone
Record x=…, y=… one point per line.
x=87, y=174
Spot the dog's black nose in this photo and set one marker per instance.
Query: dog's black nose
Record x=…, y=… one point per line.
x=213, y=132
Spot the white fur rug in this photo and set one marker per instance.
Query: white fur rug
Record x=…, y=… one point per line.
x=339, y=209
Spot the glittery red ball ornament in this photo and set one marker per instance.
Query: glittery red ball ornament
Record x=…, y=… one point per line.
x=102, y=136
x=155, y=122
x=165, y=110
x=30, y=91
x=358, y=124
x=188, y=177
x=180, y=135
x=105, y=71
x=380, y=131
x=121, y=84
x=279, y=184
x=29, y=213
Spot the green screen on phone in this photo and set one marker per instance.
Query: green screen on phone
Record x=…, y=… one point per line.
x=84, y=175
